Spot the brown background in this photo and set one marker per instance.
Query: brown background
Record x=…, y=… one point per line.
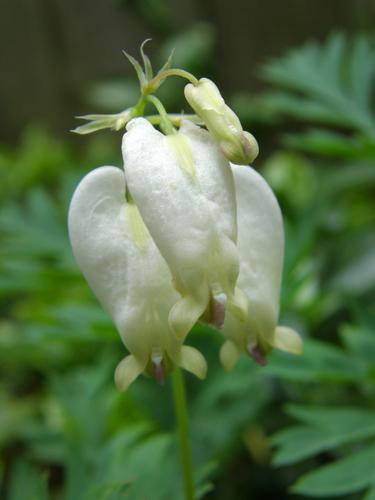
x=50, y=49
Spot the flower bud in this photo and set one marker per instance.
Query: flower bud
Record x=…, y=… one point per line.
x=238, y=146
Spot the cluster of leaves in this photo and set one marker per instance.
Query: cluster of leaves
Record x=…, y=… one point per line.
x=326, y=180
x=64, y=430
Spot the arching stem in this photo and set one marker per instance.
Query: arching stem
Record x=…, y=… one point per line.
x=179, y=397
x=165, y=122
x=156, y=81
x=175, y=119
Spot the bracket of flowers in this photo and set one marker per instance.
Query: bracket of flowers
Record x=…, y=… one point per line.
x=187, y=232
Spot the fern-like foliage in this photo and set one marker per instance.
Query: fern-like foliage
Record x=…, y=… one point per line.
x=326, y=85
x=329, y=89
x=343, y=434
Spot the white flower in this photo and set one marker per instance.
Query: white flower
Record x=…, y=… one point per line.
x=125, y=270
x=159, y=247
x=238, y=146
x=261, y=249
x=184, y=190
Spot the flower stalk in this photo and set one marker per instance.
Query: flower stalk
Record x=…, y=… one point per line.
x=155, y=83
x=148, y=85
x=185, y=233
x=165, y=123
x=179, y=398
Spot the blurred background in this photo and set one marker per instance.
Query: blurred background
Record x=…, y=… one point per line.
x=300, y=75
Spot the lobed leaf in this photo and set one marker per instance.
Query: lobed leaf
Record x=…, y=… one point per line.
x=348, y=475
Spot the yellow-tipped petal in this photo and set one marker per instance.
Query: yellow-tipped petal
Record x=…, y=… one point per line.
x=193, y=361
x=182, y=150
x=184, y=314
x=229, y=354
x=127, y=371
x=287, y=340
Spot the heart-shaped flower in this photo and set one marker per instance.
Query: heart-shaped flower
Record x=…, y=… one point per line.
x=184, y=190
x=261, y=249
x=126, y=272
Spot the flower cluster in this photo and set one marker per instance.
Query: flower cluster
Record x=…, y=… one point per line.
x=184, y=233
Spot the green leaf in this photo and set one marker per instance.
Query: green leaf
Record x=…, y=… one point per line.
x=137, y=67
x=359, y=341
x=325, y=430
x=297, y=443
x=358, y=275
x=94, y=126
x=280, y=104
x=319, y=362
x=348, y=475
x=146, y=61
x=230, y=400
x=370, y=495
x=349, y=177
x=338, y=419
x=326, y=75
x=109, y=491
x=168, y=63
x=362, y=71
x=26, y=483
x=331, y=144
x=14, y=416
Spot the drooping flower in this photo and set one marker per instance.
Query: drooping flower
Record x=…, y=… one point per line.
x=238, y=146
x=261, y=250
x=184, y=190
x=126, y=272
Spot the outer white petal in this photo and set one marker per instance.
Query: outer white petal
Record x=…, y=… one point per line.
x=260, y=242
x=214, y=178
x=184, y=190
x=261, y=250
x=124, y=268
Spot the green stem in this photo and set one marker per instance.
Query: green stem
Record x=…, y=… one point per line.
x=179, y=396
x=139, y=107
x=155, y=82
x=165, y=122
x=175, y=119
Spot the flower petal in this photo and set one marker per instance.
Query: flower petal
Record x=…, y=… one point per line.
x=127, y=371
x=287, y=340
x=229, y=354
x=122, y=265
x=261, y=248
x=189, y=210
x=192, y=360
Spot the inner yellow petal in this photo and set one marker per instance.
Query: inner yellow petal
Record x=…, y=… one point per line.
x=182, y=150
x=137, y=228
